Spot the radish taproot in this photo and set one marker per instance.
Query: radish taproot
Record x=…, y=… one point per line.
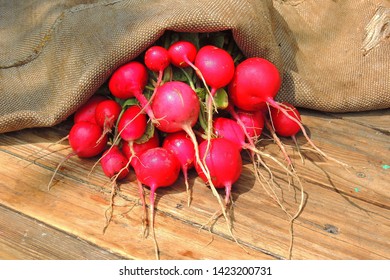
x=182, y=146
x=158, y=168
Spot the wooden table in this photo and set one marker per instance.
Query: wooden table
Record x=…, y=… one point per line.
x=346, y=214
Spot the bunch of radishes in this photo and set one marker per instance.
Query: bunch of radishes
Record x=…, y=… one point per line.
x=184, y=103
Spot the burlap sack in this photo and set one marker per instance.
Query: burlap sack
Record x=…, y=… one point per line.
x=54, y=54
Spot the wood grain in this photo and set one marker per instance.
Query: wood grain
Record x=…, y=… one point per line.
x=346, y=213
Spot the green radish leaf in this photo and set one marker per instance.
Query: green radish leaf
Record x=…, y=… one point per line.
x=130, y=102
x=201, y=92
x=221, y=99
x=149, y=132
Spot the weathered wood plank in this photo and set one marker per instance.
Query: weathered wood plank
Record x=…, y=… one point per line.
x=342, y=207
x=24, y=238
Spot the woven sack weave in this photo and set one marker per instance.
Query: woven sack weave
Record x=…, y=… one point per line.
x=55, y=54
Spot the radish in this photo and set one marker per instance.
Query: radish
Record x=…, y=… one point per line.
x=84, y=139
x=86, y=142
x=253, y=122
x=224, y=162
x=157, y=59
x=182, y=53
x=216, y=67
x=107, y=113
x=133, y=150
x=182, y=146
x=158, y=168
x=132, y=124
x=283, y=125
x=113, y=163
x=129, y=81
x=86, y=112
x=257, y=81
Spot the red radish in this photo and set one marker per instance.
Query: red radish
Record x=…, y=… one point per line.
x=86, y=113
x=156, y=58
x=283, y=125
x=253, y=122
x=84, y=139
x=132, y=124
x=129, y=81
x=133, y=150
x=256, y=81
x=113, y=163
x=216, y=66
x=230, y=130
x=177, y=106
x=107, y=113
x=182, y=53
x=158, y=168
x=181, y=145
x=224, y=162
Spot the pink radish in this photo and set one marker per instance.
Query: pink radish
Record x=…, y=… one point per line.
x=129, y=81
x=177, y=106
x=86, y=112
x=158, y=168
x=224, y=162
x=181, y=145
x=132, y=124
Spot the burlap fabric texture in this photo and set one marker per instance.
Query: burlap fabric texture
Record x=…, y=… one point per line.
x=55, y=54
